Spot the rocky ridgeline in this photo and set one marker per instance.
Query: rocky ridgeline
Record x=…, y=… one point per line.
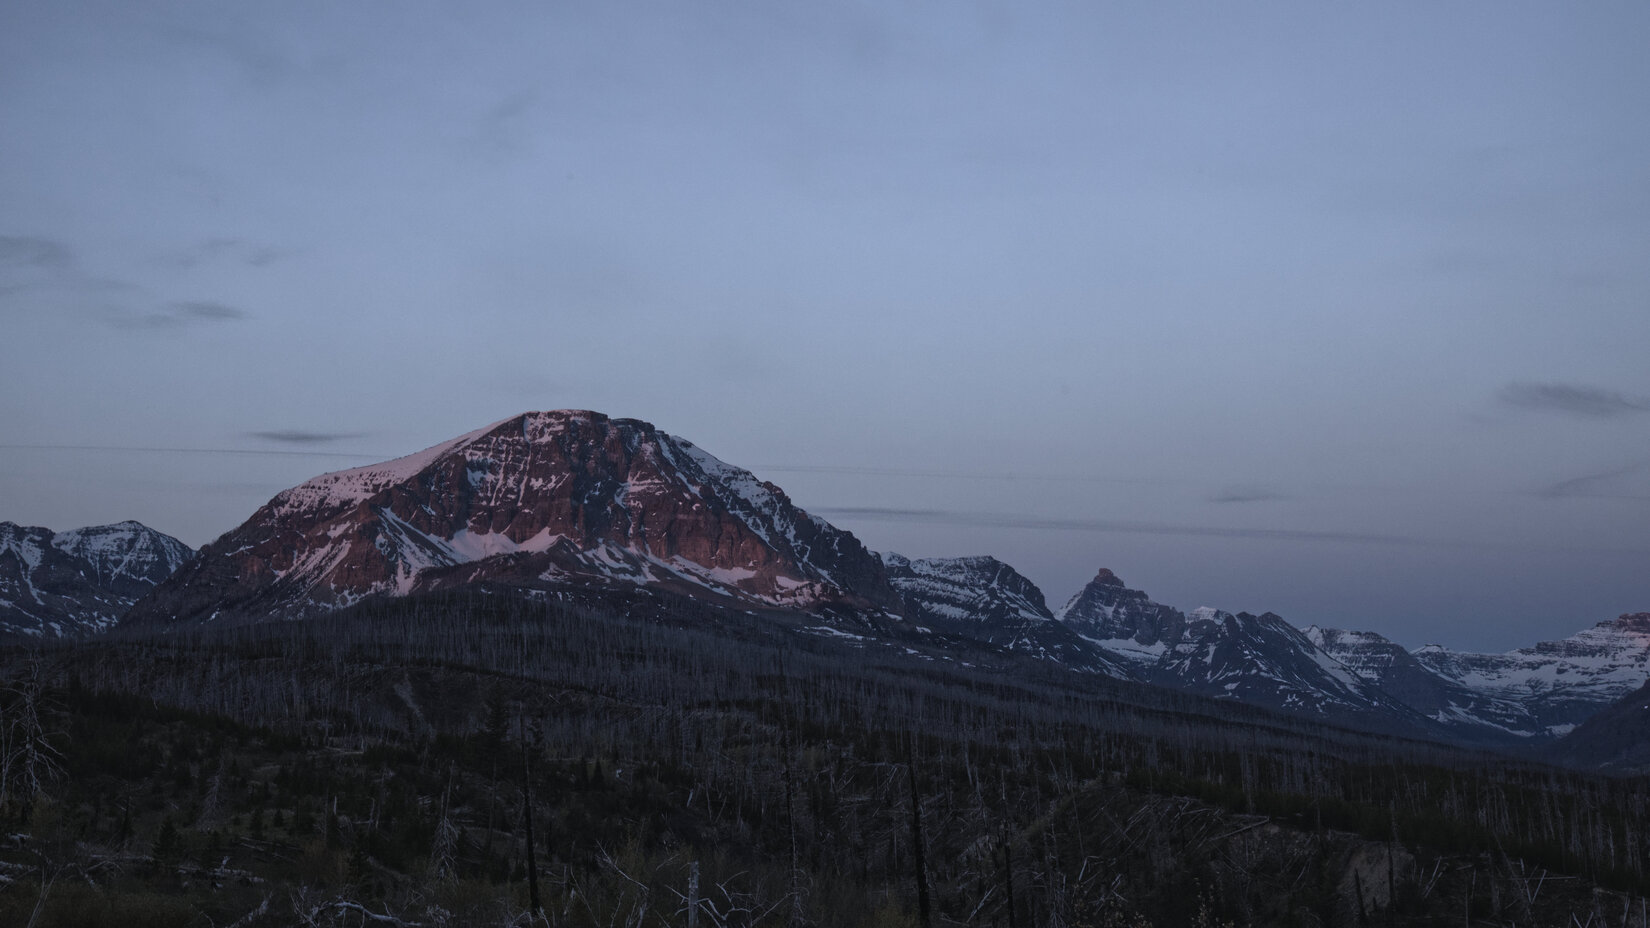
x=66, y=584
x=575, y=499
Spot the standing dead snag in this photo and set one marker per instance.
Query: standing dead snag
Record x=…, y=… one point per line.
x=923, y=910
x=29, y=760
x=693, y=894
x=527, y=816
x=1008, y=874
x=445, y=844
x=790, y=805
x=790, y=824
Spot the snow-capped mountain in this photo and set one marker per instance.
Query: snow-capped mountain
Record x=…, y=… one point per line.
x=575, y=499
x=1555, y=684
x=1125, y=621
x=59, y=584
x=970, y=590
x=559, y=497
x=986, y=600
x=1261, y=659
x=1477, y=714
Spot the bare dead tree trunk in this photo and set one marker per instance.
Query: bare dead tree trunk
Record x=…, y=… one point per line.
x=693, y=895
x=527, y=815
x=446, y=835
x=923, y=910
x=1008, y=876
x=790, y=820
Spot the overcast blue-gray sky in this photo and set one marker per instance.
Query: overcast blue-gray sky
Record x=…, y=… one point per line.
x=1336, y=310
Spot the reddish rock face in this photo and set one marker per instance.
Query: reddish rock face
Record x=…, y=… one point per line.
x=541, y=497
x=1104, y=577
x=1634, y=622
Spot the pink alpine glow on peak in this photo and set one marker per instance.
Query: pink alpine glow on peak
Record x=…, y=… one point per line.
x=544, y=494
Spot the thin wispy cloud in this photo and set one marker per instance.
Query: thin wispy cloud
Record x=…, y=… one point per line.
x=33, y=251
x=143, y=449
x=179, y=315
x=1245, y=494
x=1006, y=476
x=193, y=309
x=34, y=264
x=505, y=128
x=1609, y=484
x=224, y=250
x=1006, y=520
x=1121, y=527
x=297, y=437
x=1572, y=400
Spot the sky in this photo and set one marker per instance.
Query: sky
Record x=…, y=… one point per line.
x=1339, y=311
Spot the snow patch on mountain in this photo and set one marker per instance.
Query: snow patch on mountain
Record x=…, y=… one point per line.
x=344, y=488
x=1554, y=684
x=566, y=494
x=82, y=580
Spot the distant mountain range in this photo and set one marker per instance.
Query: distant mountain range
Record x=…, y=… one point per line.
x=552, y=501
x=56, y=584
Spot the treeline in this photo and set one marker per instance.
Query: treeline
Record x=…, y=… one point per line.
x=677, y=764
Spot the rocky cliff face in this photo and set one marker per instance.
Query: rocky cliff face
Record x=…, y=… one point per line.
x=1123, y=620
x=1555, y=685
x=972, y=590
x=1469, y=713
x=1256, y=659
x=549, y=497
x=63, y=584
x=983, y=599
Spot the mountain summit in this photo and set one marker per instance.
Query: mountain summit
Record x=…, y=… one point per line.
x=543, y=498
x=62, y=584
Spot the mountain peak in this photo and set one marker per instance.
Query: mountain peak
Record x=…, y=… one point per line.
x=540, y=498
x=1107, y=610
x=1631, y=622
x=61, y=584
x=1106, y=578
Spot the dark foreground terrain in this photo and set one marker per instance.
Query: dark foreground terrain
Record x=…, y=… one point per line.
x=645, y=761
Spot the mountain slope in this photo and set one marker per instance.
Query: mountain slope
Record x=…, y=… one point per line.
x=1476, y=714
x=58, y=584
x=1616, y=738
x=983, y=599
x=1261, y=660
x=1554, y=685
x=538, y=499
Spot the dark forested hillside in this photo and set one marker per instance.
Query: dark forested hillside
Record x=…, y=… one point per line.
x=474, y=759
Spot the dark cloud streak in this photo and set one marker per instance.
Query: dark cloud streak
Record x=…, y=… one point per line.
x=1572, y=400
x=1107, y=526
x=179, y=314
x=1010, y=476
x=1245, y=495
x=1004, y=520
x=33, y=251
x=357, y=456
x=35, y=263
x=252, y=254
x=296, y=437
x=1595, y=486
x=505, y=128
